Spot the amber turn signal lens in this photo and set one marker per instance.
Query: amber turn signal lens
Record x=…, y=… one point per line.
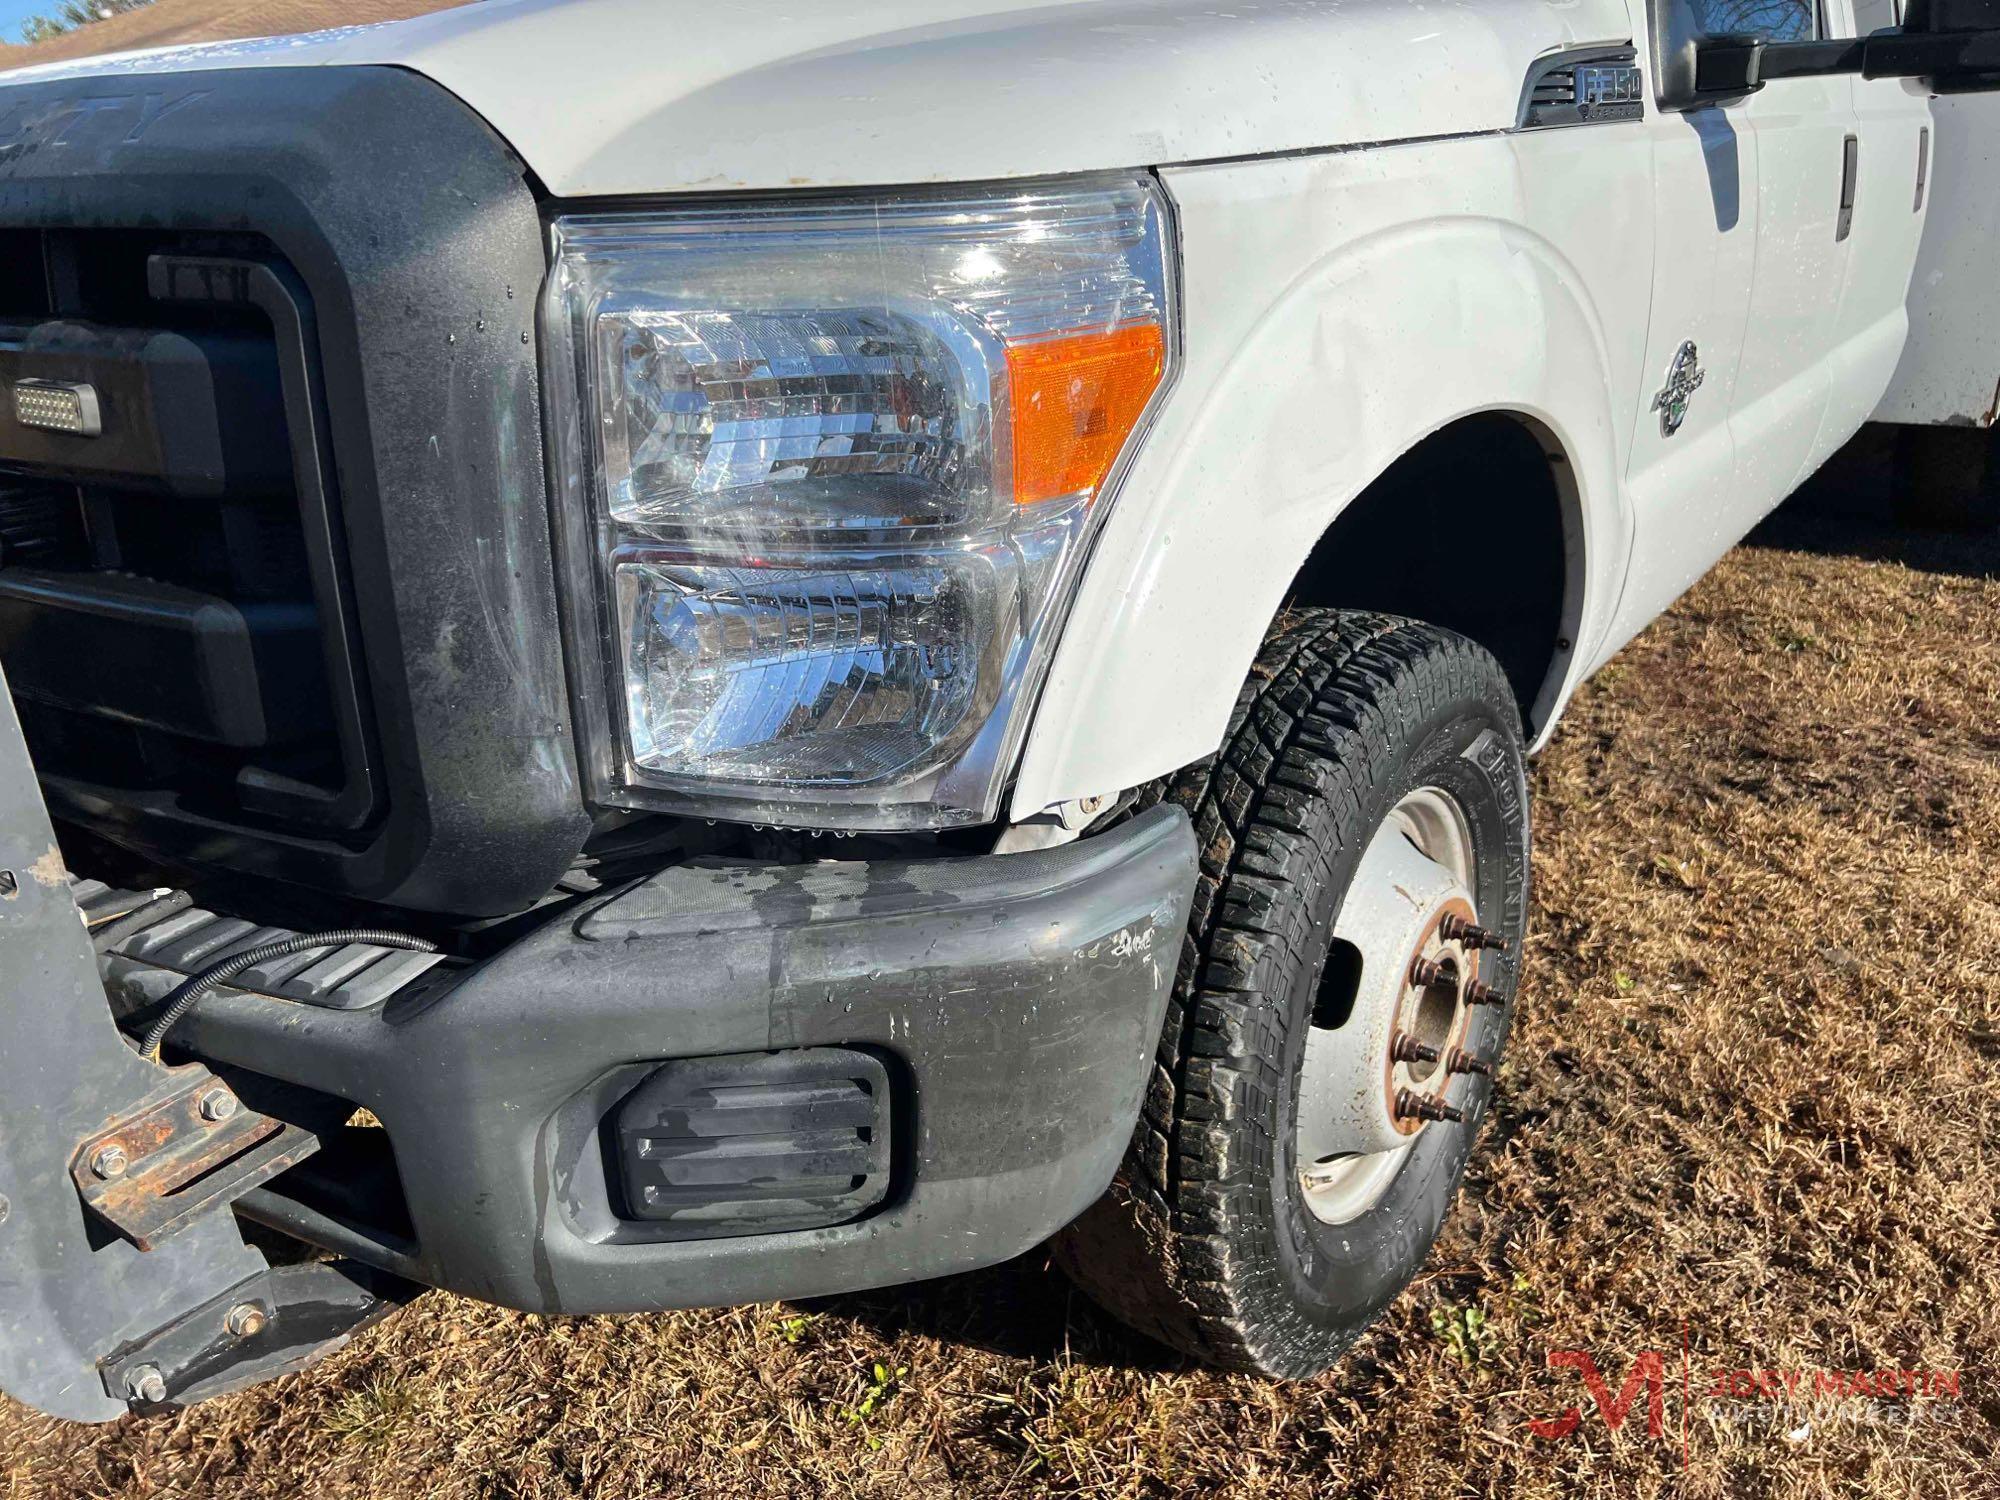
x=1076, y=400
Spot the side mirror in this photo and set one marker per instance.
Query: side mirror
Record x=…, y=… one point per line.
x=1942, y=18
x=1951, y=15
x=1954, y=45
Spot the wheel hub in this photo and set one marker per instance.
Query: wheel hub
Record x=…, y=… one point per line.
x=1371, y=1084
x=1427, y=1013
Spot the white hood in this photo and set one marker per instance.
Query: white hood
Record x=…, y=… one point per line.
x=657, y=96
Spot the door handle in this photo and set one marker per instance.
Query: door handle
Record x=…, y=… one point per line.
x=1850, y=160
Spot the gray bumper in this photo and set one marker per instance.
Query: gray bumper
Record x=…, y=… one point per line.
x=1018, y=999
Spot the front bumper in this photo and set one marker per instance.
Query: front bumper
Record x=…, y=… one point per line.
x=1016, y=1000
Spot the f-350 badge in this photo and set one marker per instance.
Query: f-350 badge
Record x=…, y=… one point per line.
x=1684, y=378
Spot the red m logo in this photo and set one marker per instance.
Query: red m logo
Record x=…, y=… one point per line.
x=1648, y=1371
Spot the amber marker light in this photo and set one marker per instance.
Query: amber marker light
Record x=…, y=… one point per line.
x=1076, y=399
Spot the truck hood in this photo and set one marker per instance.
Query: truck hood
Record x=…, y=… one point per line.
x=646, y=96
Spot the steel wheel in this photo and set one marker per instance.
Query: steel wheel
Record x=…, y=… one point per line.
x=1383, y=1072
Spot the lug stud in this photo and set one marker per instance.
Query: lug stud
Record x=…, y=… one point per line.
x=146, y=1383
x=1480, y=993
x=1411, y=1105
x=1455, y=929
x=1461, y=1061
x=1407, y=1049
x=1425, y=972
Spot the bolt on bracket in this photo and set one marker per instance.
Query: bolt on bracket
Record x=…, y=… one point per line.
x=194, y=1148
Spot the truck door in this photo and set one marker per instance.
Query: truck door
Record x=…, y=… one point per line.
x=1809, y=167
x=1747, y=281
x=1893, y=118
x=1683, y=449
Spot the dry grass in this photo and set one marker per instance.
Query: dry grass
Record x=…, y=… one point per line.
x=1752, y=1095
x=167, y=23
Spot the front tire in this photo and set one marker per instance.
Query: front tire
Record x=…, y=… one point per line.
x=1359, y=738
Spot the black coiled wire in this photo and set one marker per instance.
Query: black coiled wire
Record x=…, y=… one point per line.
x=191, y=989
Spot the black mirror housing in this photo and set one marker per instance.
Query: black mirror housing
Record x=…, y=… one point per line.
x=1953, y=45
x=1932, y=16
x=1942, y=18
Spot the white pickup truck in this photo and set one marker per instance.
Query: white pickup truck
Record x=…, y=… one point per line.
x=673, y=655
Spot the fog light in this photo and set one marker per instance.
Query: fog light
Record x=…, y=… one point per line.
x=757, y=1142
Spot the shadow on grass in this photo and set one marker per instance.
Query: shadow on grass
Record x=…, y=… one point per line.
x=1846, y=510
x=1024, y=1308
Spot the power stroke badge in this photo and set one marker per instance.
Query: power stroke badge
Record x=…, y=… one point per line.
x=1684, y=378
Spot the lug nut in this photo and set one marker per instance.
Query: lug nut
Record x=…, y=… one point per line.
x=1411, y=1105
x=1480, y=993
x=1455, y=929
x=1406, y=1049
x=217, y=1105
x=245, y=1319
x=109, y=1161
x=146, y=1383
x=1425, y=972
x=1461, y=1061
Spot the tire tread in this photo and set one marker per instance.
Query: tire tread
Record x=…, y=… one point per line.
x=1177, y=1250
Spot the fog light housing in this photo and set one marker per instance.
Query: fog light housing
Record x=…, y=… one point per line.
x=756, y=1143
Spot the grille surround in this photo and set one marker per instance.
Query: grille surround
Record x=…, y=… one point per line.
x=204, y=513
x=416, y=236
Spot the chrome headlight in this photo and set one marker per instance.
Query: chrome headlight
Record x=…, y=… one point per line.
x=828, y=472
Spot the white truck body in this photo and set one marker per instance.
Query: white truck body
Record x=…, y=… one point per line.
x=1339, y=303
x=1949, y=375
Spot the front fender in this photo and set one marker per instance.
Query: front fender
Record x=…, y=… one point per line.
x=1338, y=309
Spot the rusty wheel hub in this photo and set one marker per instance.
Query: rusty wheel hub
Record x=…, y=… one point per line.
x=1386, y=1067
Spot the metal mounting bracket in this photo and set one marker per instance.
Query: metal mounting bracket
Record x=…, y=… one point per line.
x=180, y=1155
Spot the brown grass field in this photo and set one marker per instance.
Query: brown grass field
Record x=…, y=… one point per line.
x=167, y=23
x=1747, y=1120
x=1750, y=1104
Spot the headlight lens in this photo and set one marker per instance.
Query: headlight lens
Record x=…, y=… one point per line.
x=852, y=672
x=829, y=472
x=826, y=417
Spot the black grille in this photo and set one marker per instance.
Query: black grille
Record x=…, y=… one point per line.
x=171, y=617
x=339, y=317
x=1557, y=87
x=41, y=525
